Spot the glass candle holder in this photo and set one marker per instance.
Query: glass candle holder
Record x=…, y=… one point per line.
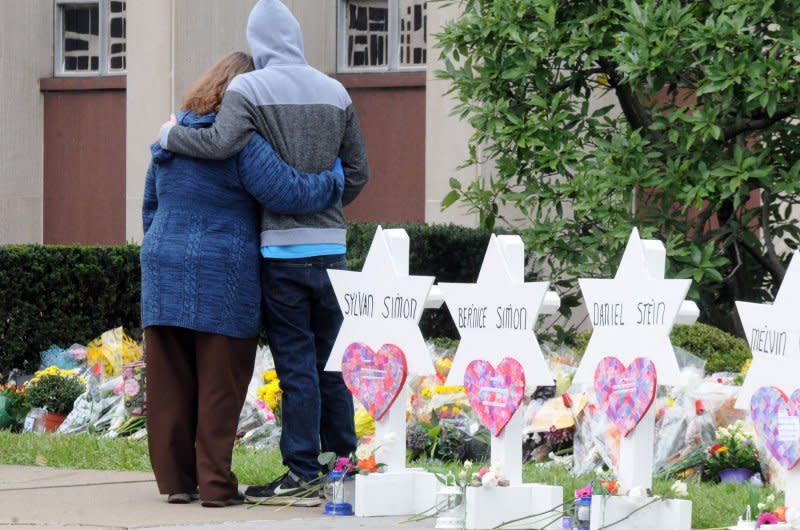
x=339, y=491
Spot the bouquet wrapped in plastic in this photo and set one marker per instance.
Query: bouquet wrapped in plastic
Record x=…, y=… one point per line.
x=112, y=350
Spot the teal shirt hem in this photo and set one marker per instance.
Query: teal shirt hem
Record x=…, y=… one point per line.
x=302, y=251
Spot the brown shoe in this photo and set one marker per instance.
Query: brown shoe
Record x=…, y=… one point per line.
x=233, y=501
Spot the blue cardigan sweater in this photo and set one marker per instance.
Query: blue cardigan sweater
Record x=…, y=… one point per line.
x=200, y=253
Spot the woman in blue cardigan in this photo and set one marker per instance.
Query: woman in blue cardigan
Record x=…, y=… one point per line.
x=201, y=291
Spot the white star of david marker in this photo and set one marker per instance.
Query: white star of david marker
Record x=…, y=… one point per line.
x=773, y=333
x=632, y=316
x=381, y=305
x=495, y=318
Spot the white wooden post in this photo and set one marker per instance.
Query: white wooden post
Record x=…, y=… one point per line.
x=635, y=467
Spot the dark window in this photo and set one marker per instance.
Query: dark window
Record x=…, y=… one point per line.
x=81, y=37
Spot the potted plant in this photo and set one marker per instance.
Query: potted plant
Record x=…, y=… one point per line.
x=13, y=407
x=54, y=390
x=733, y=457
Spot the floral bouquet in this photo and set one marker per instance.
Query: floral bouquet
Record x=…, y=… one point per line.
x=113, y=349
x=134, y=388
x=733, y=448
x=270, y=396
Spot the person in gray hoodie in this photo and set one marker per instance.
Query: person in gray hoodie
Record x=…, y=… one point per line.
x=309, y=119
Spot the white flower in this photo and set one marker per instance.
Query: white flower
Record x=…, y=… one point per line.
x=489, y=480
x=774, y=27
x=462, y=476
x=637, y=491
x=467, y=464
x=363, y=452
x=498, y=471
x=770, y=498
x=761, y=506
x=679, y=488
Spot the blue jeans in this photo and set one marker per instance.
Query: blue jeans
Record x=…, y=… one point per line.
x=302, y=319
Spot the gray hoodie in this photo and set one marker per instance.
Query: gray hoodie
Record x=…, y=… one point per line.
x=305, y=115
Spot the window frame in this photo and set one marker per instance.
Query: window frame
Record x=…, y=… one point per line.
x=393, y=42
x=104, y=36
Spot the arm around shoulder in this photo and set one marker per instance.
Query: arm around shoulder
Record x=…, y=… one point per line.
x=226, y=137
x=281, y=188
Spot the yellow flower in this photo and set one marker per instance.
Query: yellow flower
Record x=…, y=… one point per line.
x=426, y=393
x=271, y=394
x=365, y=424
x=602, y=80
x=269, y=375
x=746, y=366
x=722, y=450
x=53, y=370
x=442, y=389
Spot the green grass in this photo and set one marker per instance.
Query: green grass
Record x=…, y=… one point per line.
x=714, y=505
x=85, y=451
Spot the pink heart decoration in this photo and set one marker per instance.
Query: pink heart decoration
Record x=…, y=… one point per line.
x=495, y=394
x=775, y=417
x=625, y=394
x=374, y=378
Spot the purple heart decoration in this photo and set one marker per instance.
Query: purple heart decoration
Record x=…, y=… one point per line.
x=625, y=394
x=374, y=378
x=777, y=421
x=495, y=394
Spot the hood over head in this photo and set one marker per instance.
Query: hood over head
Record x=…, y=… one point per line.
x=187, y=119
x=274, y=35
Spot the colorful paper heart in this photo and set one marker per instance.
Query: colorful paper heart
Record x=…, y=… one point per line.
x=374, y=378
x=777, y=420
x=495, y=394
x=625, y=394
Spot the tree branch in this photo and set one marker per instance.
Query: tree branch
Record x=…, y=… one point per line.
x=636, y=115
x=568, y=82
x=732, y=131
x=779, y=273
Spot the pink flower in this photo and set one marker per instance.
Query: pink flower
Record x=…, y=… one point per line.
x=768, y=518
x=118, y=388
x=482, y=471
x=342, y=464
x=131, y=387
x=585, y=491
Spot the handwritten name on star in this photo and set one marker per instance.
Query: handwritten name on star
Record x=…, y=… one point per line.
x=508, y=317
x=392, y=307
x=769, y=341
x=613, y=314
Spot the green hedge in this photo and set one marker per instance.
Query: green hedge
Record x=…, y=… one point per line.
x=64, y=294
x=722, y=351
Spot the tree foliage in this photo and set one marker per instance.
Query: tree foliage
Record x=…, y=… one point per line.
x=678, y=117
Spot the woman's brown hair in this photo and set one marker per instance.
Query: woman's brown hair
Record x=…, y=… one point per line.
x=206, y=94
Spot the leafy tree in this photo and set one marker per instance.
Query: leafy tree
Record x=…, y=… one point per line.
x=678, y=117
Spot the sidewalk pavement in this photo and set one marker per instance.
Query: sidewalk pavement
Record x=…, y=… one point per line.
x=68, y=499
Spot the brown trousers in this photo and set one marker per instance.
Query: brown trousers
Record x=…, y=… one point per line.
x=196, y=386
